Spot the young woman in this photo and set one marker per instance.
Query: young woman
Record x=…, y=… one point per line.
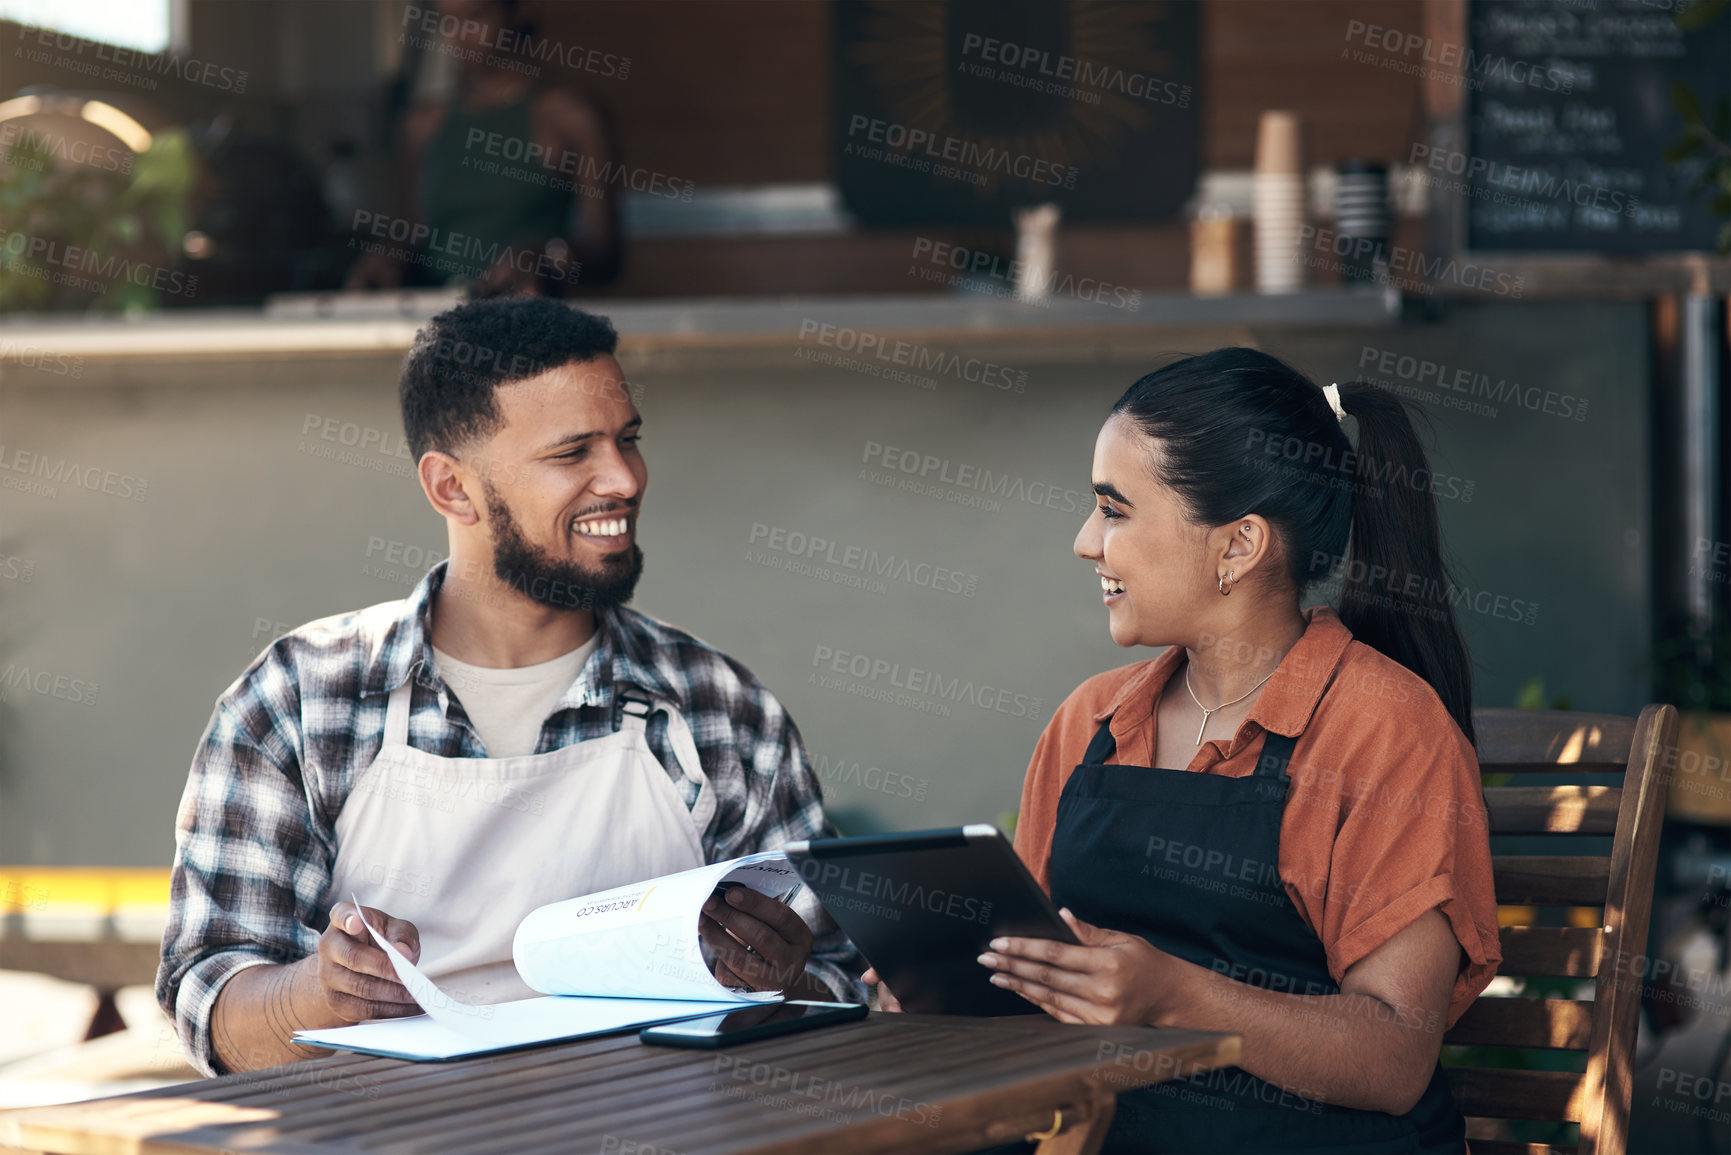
x=1275, y=828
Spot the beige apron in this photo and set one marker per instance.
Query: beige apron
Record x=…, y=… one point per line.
x=465, y=847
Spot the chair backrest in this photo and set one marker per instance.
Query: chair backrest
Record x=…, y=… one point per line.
x=1564, y=745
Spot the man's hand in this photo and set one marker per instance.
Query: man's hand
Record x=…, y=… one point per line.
x=355, y=975
x=759, y=943
x=261, y=1007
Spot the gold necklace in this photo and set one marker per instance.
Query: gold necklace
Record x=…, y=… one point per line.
x=1207, y=713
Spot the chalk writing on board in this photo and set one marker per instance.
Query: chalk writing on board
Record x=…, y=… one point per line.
x=1577, y=166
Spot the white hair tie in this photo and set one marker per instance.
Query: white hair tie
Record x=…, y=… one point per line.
x=1332, y=392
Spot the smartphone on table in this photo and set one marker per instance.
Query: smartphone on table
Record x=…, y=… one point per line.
x=751, y=1023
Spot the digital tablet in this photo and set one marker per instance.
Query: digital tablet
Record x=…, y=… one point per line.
x=923, y=906
x=748, y=1024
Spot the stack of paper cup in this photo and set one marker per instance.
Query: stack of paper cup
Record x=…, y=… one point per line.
x=1278, y=205
x=1361, y=212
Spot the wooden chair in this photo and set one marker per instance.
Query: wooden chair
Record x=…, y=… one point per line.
x=1563, y=743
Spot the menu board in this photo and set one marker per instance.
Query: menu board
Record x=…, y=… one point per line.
x=1568, y=111
x=959, y=111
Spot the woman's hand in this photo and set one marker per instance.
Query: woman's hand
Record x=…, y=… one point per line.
x=1111, y=978
x=886, y=1000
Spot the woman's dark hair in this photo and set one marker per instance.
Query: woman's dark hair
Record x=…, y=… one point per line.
x=1241, y=432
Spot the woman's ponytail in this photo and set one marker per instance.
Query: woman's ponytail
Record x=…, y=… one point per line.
x=1241, y=433
x=1396, y=593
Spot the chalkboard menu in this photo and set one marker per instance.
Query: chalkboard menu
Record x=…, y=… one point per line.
x=958, y=111
x=1568, y=110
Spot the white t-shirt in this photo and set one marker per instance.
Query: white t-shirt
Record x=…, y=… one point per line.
x=507, y=706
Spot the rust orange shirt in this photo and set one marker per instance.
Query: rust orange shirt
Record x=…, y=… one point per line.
x=1384, y=819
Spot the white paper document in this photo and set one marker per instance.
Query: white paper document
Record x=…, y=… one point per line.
x=611, y=961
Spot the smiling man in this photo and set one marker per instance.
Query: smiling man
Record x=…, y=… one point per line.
x=508, y=736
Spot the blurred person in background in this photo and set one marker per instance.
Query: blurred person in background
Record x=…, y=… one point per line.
x=509, y=178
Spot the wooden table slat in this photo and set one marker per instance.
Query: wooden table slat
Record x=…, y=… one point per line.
x=961, y=1129
x=704, y=1100
x=982, y=1079
x=773, y=1128
x=650, y=1100
x=963, y=1080
x=626, y=1065
x=794, y=1048
x=315, y=1080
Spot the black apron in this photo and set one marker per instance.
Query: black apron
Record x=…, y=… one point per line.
x=1190, y=861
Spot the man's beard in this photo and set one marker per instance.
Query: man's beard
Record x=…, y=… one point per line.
x=563, y=585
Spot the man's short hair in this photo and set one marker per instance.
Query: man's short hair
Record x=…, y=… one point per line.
x=464, y=353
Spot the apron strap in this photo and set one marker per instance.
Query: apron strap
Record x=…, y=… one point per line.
x=634, y=711
x=1276, y=753
x=397, y=713
x=1102, y=746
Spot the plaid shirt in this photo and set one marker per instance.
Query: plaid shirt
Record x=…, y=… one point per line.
x=255, y=838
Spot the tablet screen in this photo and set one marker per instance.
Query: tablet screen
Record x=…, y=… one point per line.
x=923, y=906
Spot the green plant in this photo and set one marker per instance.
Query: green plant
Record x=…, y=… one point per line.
x=1698, y=134
x=80, y=236
x=1531, y=696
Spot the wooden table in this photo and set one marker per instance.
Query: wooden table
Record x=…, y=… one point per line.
x=902, y=1083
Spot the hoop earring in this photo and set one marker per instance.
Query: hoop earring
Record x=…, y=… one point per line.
x=1226, y=590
